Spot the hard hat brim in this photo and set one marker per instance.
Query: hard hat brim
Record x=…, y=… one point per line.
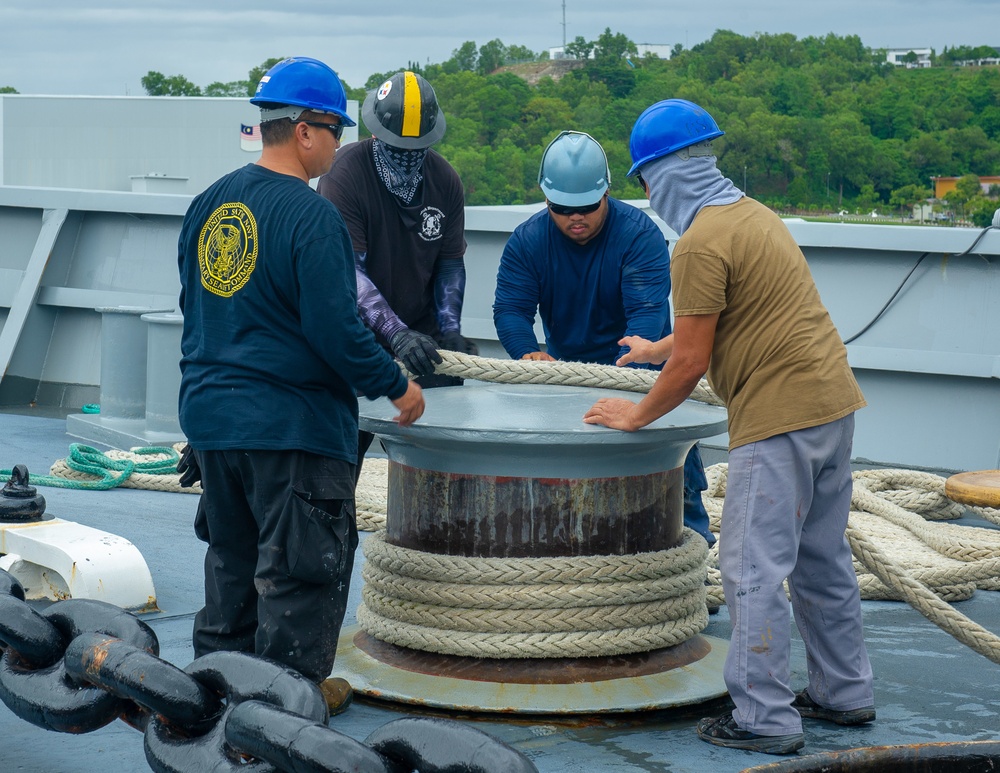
x=573, y=199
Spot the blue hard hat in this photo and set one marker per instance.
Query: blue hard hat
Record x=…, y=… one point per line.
x=301, y=82
x=574, y=170
x=668, y=126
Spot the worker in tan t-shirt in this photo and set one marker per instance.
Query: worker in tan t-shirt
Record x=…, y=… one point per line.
x=747, y=312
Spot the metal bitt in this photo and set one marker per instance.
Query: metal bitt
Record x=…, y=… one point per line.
x=57, y=559
x=135, y=348
x=495, y=470
x=19, y=500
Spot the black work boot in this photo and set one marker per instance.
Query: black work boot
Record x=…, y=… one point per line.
x=723, y=731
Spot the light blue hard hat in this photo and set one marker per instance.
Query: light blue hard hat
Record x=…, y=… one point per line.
x=574, y=170
x=298, y=84
x=667, y=127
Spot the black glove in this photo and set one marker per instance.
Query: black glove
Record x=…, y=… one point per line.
x=454, y=341
x=417, y=351
x=188, y=467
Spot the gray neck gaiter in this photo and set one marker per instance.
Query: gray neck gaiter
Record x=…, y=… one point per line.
x=679, y=188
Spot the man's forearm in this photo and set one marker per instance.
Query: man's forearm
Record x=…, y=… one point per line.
x=672, y=387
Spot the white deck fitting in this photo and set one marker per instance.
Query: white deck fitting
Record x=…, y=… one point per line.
x=59, y=559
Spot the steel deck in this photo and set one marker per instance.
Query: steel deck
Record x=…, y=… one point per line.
x=928, y=687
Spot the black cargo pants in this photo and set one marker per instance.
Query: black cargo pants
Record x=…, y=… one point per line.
x=281, y=538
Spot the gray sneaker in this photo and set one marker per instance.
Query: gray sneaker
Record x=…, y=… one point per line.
x=807, y=707
x=723, y=731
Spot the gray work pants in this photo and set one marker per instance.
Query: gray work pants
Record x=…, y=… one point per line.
x=785, y=512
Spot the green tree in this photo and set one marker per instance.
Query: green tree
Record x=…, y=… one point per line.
x=231, y=89
x=907, y=197
x=808, y=122
x=492, y=56
x=613, y=47
x=579, y=48
x=517, y=54
x=967, y=187
x=463, y=59
x=160, y=85
x=8, y=90
x=980, y=210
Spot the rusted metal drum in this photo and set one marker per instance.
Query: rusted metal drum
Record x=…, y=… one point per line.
x=512, y=471
x=503, y=470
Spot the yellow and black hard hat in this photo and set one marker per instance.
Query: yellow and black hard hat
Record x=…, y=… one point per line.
x=403, y=112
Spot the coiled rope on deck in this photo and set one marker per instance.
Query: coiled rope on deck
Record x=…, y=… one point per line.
x=903, y=551
x=152, y=467
x=581, y=606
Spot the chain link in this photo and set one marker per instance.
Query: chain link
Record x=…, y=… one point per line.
x=80, y=664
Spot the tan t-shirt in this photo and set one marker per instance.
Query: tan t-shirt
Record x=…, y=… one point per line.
x=778, y=361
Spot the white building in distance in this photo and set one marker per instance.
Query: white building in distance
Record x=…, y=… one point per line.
x=661, y=50
x=898, y=57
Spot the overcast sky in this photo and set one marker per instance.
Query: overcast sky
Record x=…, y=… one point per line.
x=104, y=47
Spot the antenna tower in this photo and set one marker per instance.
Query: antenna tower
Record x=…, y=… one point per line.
x=564, y=26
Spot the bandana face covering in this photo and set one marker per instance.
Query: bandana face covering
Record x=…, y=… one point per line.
x=399, y=170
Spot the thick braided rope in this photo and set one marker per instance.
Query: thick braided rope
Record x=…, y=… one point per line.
x=608, y=617
x=370, y=497
x=575, y=644
x=922, y=599
x=167, y=479
x=437, y=567
x=583, y=606
x=899, y=556
x=527, y=596
x=561, y=373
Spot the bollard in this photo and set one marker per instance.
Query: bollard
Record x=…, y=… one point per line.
x=163, y=373
x=123, y=362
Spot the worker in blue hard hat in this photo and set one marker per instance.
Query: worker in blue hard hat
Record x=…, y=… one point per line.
x=596, y=269
x=747, y=312
x=273, y=353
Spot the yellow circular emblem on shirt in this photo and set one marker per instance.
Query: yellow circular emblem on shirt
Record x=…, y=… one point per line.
x=227, y=249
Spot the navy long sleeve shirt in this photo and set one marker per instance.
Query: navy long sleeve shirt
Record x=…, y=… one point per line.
x=588, y=296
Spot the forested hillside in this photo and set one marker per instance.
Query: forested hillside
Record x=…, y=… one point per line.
x=816, y=123
x=819, y=124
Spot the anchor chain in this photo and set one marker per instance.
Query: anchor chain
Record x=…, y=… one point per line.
x=80, y=664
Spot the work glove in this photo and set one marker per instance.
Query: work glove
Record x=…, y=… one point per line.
x=418, y=352
x=188, y=467
x=454, y=341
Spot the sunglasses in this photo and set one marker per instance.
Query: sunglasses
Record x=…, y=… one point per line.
x=337, y=129
x=559, y=209
x=638, y=179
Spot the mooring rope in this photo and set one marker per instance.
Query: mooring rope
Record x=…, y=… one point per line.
x=561, y=373
x=902, y=551
x=153, y=468
x=541, y=607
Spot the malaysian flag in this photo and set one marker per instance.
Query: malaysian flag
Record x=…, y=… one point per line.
x=250, y=137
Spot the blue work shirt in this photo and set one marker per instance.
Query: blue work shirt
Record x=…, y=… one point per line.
x=589, y=296
x=273, y=348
